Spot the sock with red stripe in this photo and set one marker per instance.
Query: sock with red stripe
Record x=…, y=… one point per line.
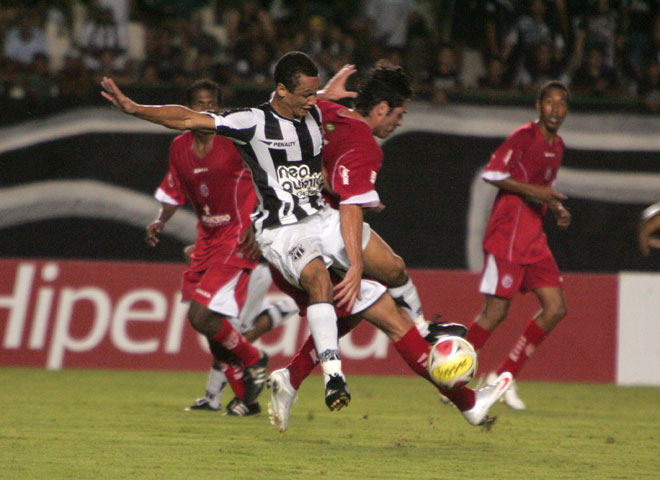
x=530, y=339
x=236, y=343
x=234, y=374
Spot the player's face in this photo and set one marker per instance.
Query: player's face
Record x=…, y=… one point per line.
x=552, y=110
x=204, y=100
x=298, y=103
x=391, y=121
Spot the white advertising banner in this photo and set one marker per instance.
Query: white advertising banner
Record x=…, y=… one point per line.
x=638, y=343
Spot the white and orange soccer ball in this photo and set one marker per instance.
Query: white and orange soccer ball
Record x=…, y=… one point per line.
x=452, y=362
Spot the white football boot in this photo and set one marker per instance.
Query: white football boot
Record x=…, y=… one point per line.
x=510, y=398
x=485, y=397
x=282, y=397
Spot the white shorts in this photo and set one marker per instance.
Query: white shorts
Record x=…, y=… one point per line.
x=255, y=302
x=289, y=248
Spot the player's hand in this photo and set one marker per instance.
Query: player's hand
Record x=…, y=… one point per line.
x=348, y=290
x=562, y=215
x=248, y=244
x=649, y=229
x=116, y=97
x=335, y=89
x=187, y=253
x=153, y=229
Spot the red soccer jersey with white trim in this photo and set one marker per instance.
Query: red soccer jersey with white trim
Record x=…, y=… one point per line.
x=515, y=227
x=219, y=187
x=351, y=156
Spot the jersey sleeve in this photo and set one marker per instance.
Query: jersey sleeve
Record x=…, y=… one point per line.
x=170, y=191
x=238, y=125
x=499, y=165
x=353, y=178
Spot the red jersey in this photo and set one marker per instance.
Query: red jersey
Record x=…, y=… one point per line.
x=220, y=189
x=515, y=227
x=351, y=156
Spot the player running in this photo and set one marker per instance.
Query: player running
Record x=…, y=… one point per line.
x=517, y=256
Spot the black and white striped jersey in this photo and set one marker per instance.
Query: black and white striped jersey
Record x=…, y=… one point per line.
x=284, y=157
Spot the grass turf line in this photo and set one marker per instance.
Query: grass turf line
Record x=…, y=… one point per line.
x=114, y=425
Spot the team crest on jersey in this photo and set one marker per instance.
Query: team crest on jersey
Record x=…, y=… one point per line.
x=507, y=281
x=330, y=127
x=297, y=252
x=204, y=190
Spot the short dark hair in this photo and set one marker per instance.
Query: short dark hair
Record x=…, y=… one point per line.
x=290, y=66
x=549, y=85
x=203, y=84
x=385, y=82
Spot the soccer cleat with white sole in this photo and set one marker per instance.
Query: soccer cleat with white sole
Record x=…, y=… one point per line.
x=510, y=398
x=282, y=398
x=238, y=408
x=485, y=398
x=202, y=404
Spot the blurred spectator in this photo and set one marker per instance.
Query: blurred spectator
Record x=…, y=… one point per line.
x=73, y=80
x=390, y=21
x=499, y=17
x=103, y=43
x=468, y=36
x=164, y=49
x=640, y=19
x=38, y=82
x=531, y=30
x=444, y=75
x=253, y=64
x=649, y=89
x=600, y=27
x=26, y=40
x=594, y=77
x=540, y=70
x=246, y=22
x=495, y=80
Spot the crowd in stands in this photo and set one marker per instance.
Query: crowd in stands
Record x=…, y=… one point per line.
x=605, y=49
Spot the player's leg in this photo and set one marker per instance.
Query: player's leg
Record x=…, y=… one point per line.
x=474, y=405
x=297, y=252
x=383, y=264
x=215, y=385
x=500, y=280
x=257, y=315
x=217, y=298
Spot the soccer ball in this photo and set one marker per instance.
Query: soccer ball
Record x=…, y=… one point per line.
x=452, y=362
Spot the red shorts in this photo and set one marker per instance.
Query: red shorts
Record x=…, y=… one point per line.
x=503, y=278
x=221, y=288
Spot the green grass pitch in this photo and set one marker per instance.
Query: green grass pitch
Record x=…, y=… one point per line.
x=92, y=424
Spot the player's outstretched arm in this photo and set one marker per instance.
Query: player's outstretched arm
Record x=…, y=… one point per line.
x=177, y=117
x=562, y=215
x=649, y=228
x=335, y=89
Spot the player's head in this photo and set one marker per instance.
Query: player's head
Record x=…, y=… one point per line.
x=552, y=105
x=204, y=95
x=296, y=84
x=383, y=97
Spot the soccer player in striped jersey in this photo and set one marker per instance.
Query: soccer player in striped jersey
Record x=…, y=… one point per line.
x=281, y=143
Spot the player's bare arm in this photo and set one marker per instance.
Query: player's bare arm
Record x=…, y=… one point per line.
x=248, y=244
x=649, y=229
x=532, y=193
x=335, y=89
x=154, y=228
x=348, y=290
x=176, y=117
